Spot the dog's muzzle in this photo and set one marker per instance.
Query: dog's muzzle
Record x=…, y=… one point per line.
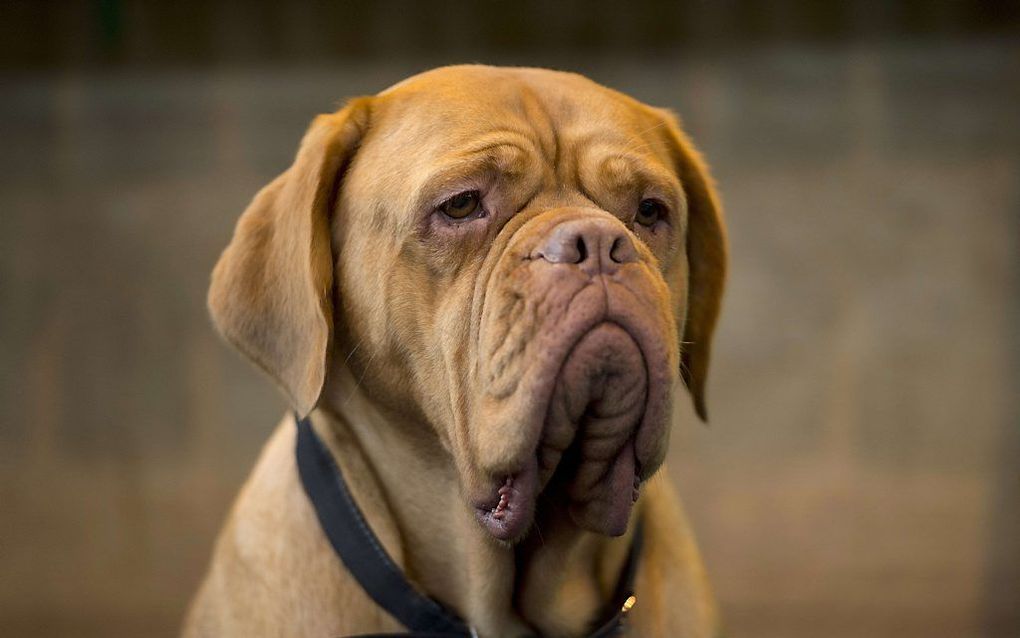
x=579, y=376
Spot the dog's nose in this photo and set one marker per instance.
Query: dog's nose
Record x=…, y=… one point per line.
x=595, y=245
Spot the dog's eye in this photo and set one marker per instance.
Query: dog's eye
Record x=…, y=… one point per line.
x=650, y=211
x=461, y=205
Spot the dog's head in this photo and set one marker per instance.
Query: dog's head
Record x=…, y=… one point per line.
x=521, y=260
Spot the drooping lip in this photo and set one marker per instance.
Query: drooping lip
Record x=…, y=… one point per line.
x=599, y=402
x=583, y=395
x=509, y=511
x=527, y=478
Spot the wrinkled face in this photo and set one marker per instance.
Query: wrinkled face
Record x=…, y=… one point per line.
x=513, y=245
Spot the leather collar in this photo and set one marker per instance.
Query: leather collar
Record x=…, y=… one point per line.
x=365, y=558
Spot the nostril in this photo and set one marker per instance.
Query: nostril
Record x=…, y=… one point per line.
x=622, y=250
x=582, y=250
x=614, y=250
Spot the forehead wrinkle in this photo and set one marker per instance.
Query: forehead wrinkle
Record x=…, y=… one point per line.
x=502, y=157
x=603, y=149
x=499, y=138
x=511, y=100
x=626, y=168
x=538, y=115
x=439, y=125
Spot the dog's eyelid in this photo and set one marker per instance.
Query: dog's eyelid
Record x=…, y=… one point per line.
x=441, y=188
x=443, y=197
x=454, y=179
x=672, y=201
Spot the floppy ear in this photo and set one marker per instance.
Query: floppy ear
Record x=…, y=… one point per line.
x=706, y=260
x=271, y=291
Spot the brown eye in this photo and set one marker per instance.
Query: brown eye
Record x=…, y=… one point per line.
x=461, y=205
x=650, y=211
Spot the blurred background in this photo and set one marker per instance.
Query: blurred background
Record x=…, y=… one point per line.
x=861, y=475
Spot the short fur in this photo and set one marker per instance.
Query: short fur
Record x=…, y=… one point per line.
x=391, y=330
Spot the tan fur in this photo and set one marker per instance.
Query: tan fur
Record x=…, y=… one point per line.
x=382, y=329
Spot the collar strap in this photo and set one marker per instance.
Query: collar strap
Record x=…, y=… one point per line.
x=365, y=558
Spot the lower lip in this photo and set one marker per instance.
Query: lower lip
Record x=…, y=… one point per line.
x=508, y=516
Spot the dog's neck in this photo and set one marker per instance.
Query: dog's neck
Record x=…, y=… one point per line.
x=557, y=581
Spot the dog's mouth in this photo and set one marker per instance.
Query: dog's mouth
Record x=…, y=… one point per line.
x=508, y=513
x=595, y=440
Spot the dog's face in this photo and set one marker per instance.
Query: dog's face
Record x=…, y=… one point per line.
x=520, y=260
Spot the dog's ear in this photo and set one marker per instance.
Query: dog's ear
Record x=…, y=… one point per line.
x=271, y=291
x=706, y=260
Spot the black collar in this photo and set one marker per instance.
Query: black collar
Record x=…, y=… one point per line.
x=381, y=578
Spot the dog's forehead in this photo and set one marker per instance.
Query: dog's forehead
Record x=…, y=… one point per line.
x=464, y=101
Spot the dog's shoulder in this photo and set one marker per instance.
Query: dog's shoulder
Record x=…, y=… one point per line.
x=273, y=571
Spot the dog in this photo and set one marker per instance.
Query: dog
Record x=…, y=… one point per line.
x=482, y=287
